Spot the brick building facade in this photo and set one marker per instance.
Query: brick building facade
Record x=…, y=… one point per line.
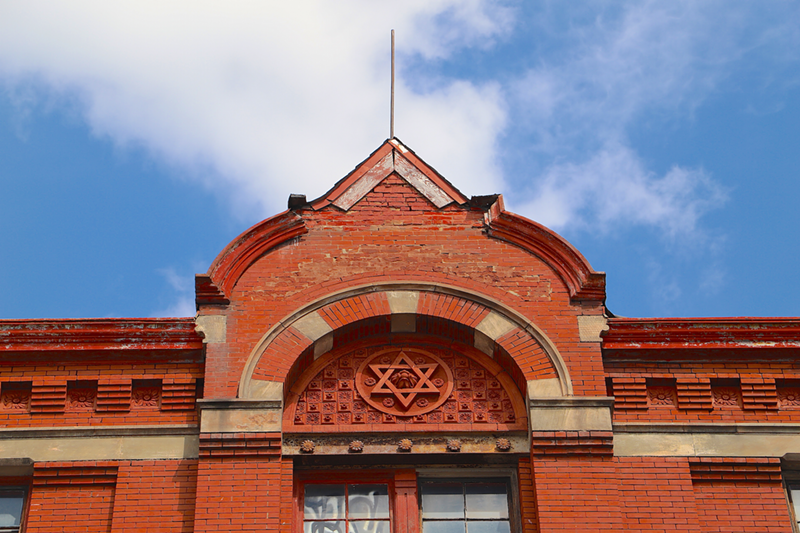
x=394, y=356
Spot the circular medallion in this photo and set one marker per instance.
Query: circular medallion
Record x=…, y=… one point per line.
x=404, y=382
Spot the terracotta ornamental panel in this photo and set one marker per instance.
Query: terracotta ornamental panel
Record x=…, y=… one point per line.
x=405, y=387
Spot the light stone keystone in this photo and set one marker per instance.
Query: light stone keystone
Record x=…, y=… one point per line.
x=401, y=302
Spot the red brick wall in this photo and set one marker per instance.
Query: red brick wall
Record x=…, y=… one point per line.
x=241, y=484
x=598, y=493
x=529, y=515
x=69, y=497
x=655, y=494
x=577, y=493
x=393, y=233
x=155, y=496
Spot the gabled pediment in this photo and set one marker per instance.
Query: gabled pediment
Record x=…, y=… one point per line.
x=391, y=157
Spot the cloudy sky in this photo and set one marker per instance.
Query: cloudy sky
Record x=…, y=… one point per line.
x=661, y=138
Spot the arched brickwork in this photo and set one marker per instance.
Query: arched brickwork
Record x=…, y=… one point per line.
x=495, y=329
x=403, y=382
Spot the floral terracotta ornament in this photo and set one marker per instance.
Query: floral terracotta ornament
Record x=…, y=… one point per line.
x=307, y=446
x=405, y=445
x=453, y=445
x=356, y=446
x=503, y=444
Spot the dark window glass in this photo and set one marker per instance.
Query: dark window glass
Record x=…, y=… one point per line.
x=464, y=507
x=11, y=503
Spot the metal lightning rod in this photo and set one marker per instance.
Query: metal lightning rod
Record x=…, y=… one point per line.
x=391, y=112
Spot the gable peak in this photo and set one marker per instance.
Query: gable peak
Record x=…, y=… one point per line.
x=391, y=157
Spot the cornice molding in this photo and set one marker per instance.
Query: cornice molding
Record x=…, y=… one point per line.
x=245, y=249
x=118, y=335
x=648, y=337
x=581, y=280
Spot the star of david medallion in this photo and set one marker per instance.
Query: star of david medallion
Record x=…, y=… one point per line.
x=405, y=382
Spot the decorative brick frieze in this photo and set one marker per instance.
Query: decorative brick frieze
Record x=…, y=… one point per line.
x=48, y=397
x=178, y=394
x=788, y=393
x=15, y=396
x=662, y=393
x=81, y=395
x=726, y=393
x=630, y=393
x=114, y=396
x=219, y=445
x=759, y=393
x=735, y=469
x=694, y=393
x=146, y=394
x=572, y=443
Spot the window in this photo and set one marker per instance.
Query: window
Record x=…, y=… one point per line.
x=465, y=506
x=346, y=508
x=794, y=503
x=11, y=505
x=428, y=500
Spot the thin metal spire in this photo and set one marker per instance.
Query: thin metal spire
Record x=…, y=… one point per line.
x=391, y=112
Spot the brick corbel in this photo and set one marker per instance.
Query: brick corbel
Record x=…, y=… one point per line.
x=239, y=445
x=735, y=469
x=74, y=473
x=560, y=443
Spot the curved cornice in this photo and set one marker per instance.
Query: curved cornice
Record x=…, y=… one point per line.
x=245, y=249
x=581, y=280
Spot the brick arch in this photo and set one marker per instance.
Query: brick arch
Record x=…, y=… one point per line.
x=310, y=329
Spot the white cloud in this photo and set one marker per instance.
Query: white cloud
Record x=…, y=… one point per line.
x=267, y=98
x=263, y=99
x=614, y=190
x=182, y=295
x=654, y=59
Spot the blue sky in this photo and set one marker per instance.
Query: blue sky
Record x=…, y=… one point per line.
x=661, y=138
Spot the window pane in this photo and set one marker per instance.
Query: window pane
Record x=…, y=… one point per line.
x=796, y=503
x=442, y=500
x=487, y=500
x=489, y=527
x=370, y=526
x=11, y=507
x=324, y=502
x=324, y=527
x=368, y=501
x=456, y=526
